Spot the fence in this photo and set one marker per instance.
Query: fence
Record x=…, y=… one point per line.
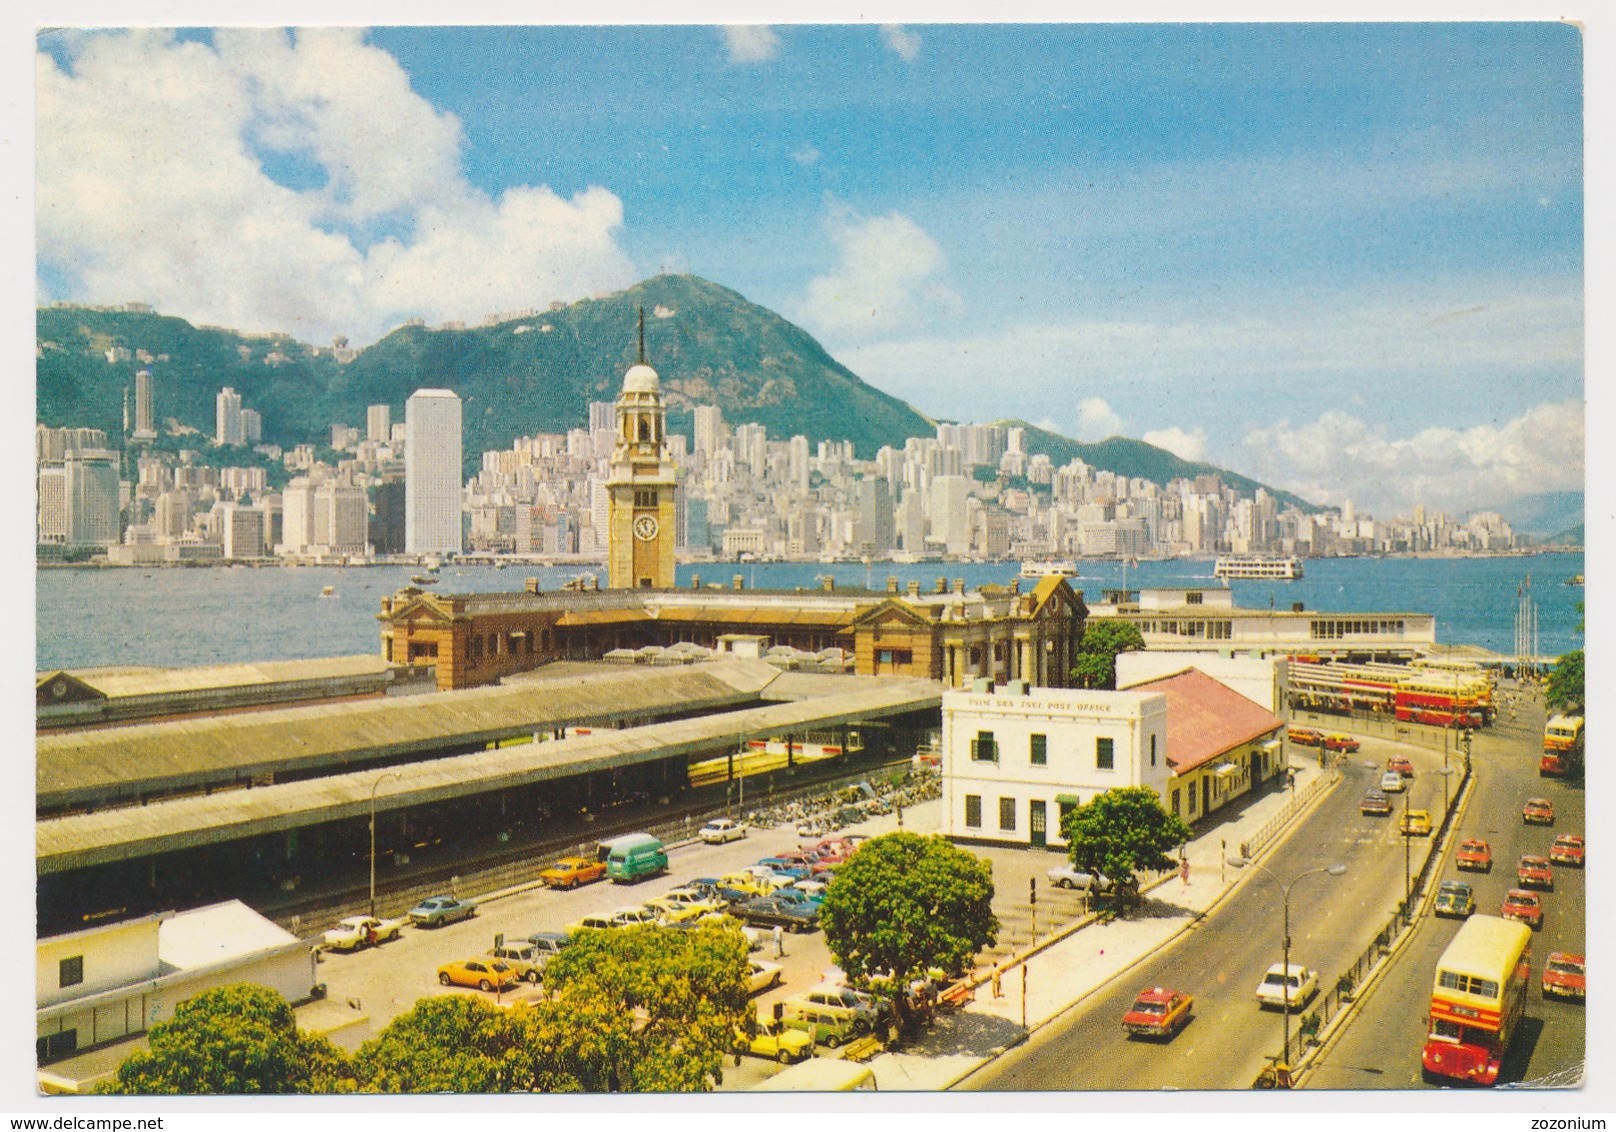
x=1380, y=726
x=1332, y=1000
x=1254, y=845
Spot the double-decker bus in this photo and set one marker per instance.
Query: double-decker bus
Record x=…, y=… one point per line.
x=1478, y=1000
x=1441, y=702
x=1562, y=746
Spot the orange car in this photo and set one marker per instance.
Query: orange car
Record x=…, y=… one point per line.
x=570, y=872
x=1474, y=854
x=484, y=973
x=1304, y=736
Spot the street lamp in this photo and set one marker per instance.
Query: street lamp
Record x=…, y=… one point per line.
x=373, y=788
x=1285, y=895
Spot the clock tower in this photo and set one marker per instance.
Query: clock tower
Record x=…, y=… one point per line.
x=640, y=503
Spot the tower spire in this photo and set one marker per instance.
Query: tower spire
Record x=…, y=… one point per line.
x=642, y=336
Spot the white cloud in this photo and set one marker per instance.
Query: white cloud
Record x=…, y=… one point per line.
x=154, y=162
x=806, y=154
x=1338, y=456
x=750, y=43
x=902, y=42
x=1189, y=445
x=1097, y=420
x=889, y=274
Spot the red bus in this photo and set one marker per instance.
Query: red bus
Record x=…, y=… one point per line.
x=1562, y=746
x=1478, y=1000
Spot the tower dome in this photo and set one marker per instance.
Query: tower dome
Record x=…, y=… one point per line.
x=641, y=378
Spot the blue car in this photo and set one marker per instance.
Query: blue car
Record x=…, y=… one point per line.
x=797, y=896
x=792, y=869
x=435, y=911
x=771, y=911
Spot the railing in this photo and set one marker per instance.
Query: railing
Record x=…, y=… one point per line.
x=1271, y=829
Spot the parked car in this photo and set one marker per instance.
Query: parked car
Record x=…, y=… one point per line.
x=823, y=1027
x=1375, y=803
x=771, y=910
x=635, y=915
x=748, y=885
x=1475, y=855
x=765, y=878
x=361, y=931
x=1070, y=876
x=798, y=896
x=521, y=957
x=1454, y=898
x=435, y=911
x=814, y=887
x=1565, y=976
x=1416, y=823
x=796, y=870
x=482, y=973
x=597, y=921
x=1158, y=1013
x=1538, y=811
x=1568, y=849
x=1304, y=736
x=1392, y=783
x=547, y=945
x=721, y=830
x=570, y=872
x=1526, y=907
x=1294, y=985
x=1401, y=765
x=1336, y=741
x=688, y=901
x=1535, y=872
x=878, y=1010
x=760, y=976
x=776, y=1042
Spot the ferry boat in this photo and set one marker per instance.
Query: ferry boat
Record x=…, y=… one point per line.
x=1258, y=566
x=424, y=579
x=1064, y=569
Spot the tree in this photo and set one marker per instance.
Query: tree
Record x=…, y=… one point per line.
x=445, y=1044
x=905, y=903
x=1121, y=833
x=1565, y=688
x=240, y=1039
x=1097, y=652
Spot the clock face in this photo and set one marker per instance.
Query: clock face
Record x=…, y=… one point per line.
x=645, y=528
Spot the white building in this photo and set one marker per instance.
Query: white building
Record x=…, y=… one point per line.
x=241, y=530
x=90, y=489
x=227, y=417
x=53, y=504
x=950, y=513
x=145, y=417
x=379, y=423
x=432, y=464
x=1017, y=760
x=108, y=983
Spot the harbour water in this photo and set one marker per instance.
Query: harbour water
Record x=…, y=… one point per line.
x=90, y=618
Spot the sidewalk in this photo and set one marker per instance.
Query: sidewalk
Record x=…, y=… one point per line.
x=1082, y=957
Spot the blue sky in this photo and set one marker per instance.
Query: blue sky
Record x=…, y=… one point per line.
x=1343, y=258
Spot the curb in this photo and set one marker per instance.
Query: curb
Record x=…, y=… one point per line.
x=1228, y=888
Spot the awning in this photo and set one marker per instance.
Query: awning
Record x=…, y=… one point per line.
x=1068, y=799
x=1270, y=745
x=1224, y=770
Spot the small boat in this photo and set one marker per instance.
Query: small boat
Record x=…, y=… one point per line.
x=424, y=579
x=328, y=591
x=1575, y=580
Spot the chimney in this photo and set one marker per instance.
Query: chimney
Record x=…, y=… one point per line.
x=914, y=589
x=959, y=585
x=892, y=584
x=828, y=583
x=1015, y=585
x=942, y=585
x=737, y=582
x=1298, y=607
x=982, y=686
x=695, y=581
x=531, y=585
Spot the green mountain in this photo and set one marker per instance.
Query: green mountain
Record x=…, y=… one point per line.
x=532, y=374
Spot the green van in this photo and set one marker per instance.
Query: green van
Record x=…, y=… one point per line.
x=825, y=1025
x=633, y=856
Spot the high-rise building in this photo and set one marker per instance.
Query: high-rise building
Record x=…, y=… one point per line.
x=53, y=504
x=602, y=416
x=432, y=469
x=709, y=427
x=387, y=528
x=875, y=533
x=379, y=423
x=641, y=527
x=145, y=417
x=950, y=515
x=241, y=530
x=252, y=426
x=227, y=417
x=91, y=491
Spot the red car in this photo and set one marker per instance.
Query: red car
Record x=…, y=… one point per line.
x=1565, y=976
x=1535, y=872
x=1538, y=811
x=1567, y=850
x=1526, y=907
x=1158, y=1013
x=1339, y=742
x=1304, y=737
x=1401, y=765
x=1474, y=854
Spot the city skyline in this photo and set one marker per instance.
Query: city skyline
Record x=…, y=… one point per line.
x=1330, y=257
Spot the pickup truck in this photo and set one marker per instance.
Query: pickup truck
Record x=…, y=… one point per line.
x=360, y=931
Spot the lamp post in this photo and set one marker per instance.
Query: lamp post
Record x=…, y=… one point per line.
x=1285, y=899
x=373, y=788
x=1408, y=876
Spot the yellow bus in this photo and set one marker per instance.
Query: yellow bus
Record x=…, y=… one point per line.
x=1562, y=746
x=1478, y=1000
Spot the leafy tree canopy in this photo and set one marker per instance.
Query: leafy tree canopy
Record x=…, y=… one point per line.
x=239, y=1039
x=1103, y=639
x=1123, y=832
x=1564, y=688
x=905, y=903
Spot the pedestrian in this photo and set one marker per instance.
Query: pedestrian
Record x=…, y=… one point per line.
x=998, y=990
x=779, y=942
x=1184, y=869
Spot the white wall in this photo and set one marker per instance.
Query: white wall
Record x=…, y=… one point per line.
x=1259, y=679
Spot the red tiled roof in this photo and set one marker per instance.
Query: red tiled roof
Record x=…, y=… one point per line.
x=1205, y=718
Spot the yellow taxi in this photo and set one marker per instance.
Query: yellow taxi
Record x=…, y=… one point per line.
x=1417, y=823
x=483, y=973
x=570, y=872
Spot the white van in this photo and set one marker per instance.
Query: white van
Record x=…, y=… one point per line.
x=821, y=1075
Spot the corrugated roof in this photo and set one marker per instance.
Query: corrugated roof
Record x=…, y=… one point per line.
x=1206, y=718
x=81, y=840
x=88, y=767
x=118, y=683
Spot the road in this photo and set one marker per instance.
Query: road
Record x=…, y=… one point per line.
x=1381, y=1048
x=1221, y=960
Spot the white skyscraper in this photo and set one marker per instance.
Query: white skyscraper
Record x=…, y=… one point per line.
x=432, y=461
x=227, y=417
x=379, y=423
x=145, y=418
